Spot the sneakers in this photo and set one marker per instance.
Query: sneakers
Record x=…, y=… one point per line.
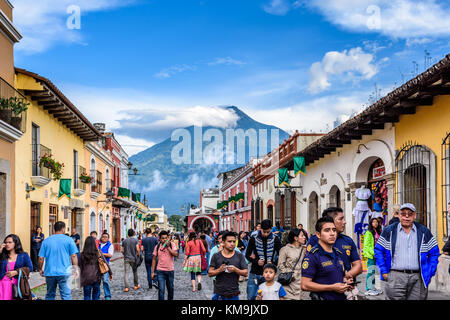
x=156, y=285
x=126, y=290
x=136, y=287
x=199, y=286
x=371, y=292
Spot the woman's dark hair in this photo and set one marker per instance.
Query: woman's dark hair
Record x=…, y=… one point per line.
x=17, y=246
x=192, y=236
x=305, y=234
x=203, y=240
x=90, y=251
x=37, y=227
x=371, y=229
x=292, y=234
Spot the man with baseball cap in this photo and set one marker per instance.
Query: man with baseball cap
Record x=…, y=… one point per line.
x=407, y=255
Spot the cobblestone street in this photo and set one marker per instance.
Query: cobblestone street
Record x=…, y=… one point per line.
x=182, y=283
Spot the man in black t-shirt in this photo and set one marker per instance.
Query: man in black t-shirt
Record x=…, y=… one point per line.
x=149, y=243
x=76, y=238
x=227, y=265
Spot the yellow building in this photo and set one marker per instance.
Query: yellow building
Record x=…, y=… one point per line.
x=423, y=149
x=53, y=126
x=100, y=167
x=11, y=126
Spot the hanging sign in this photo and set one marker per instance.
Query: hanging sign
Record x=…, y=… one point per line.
x=379, y=172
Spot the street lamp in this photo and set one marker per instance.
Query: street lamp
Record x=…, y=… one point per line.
x=130, y=167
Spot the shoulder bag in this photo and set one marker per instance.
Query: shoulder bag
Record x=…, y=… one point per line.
x=14, y=287
x=285, y=278
x=103, y=265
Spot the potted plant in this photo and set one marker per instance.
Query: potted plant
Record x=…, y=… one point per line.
x=85, y=178
x=54, y=166
x=5, y=111
x=18, y=106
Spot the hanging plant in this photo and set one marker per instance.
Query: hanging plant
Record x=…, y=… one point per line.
x=85, y=178
x=55, y=167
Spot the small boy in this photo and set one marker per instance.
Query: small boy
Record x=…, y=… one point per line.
x=271, y=289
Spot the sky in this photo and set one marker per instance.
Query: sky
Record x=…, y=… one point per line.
x=164, y=64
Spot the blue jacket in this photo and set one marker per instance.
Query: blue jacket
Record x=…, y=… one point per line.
x=428, y=251
x=23, y=260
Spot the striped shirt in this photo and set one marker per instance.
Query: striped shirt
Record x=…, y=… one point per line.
x=406, y=256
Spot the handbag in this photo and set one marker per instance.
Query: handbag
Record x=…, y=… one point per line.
x=14, y=287
x=285, y=278
x=103, y=265
x=204, y=264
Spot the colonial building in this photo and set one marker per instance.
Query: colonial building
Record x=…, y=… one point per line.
x=269, y=202
x=48, y=159
x=206, y=216
x=12, y=125
x=158, y=220
x=235, y=199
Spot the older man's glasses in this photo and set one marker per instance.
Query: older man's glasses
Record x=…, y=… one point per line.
x=407, y=214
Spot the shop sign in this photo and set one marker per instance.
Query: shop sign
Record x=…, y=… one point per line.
x=379, y=172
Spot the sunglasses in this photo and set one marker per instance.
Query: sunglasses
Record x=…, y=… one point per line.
x=407, y=214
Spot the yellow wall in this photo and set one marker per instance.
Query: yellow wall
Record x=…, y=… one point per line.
x=62, y=142
x=428, y=127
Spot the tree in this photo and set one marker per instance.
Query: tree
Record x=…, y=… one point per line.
x=177, y=221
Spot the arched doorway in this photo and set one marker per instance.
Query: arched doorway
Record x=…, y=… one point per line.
x=92, y=224
x=202, y=225
x=335, y=197
x=313, y=212
x=270, y=212
x=377, y=184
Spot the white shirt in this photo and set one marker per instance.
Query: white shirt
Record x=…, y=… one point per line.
x=110, y=249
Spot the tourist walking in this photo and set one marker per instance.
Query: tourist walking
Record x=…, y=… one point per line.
x=407, y=255
x=107, y=248
x=370, y=240
x=131, y=251
x=262, y=249
x=36, y=243
x=270, y=289
x=289, y=260
x=227, y=266
x=322, y=268
x=205, y=255
x=12, y=259
x=90, y=274
x=149, y=244
x=193, y=260
x=164, y=253
x=59, y=253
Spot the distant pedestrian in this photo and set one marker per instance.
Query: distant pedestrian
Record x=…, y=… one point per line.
x=290, y=260
x=76, y=238
x=193, y=260
x=395, y=215
x=107, y=248
x=90, y=275
x=407, y=255
x=130, y=250
x=300, y=227
x=94, y=235
x=257, y=228
x=36, y=243
x=12, y=258
x=149, y=244
x=204, y=255
x=164, y=253
x=278, y=230
x=227, y=266
x=262, y=249
x=370, y=240
x=59, y=253
x=270, y=289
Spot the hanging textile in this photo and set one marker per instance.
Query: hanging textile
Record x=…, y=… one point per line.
x=299, y=166
x=64, y=188
x=362, y=211
x=283, y=177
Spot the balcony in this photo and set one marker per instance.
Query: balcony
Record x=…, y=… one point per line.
x=13, y=106
x=96, y=185
x=41, y=175
x=79, y=184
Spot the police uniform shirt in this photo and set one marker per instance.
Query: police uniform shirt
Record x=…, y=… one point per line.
x=324, y=268
x=344, y=244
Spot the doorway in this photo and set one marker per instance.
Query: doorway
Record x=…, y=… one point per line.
x=313, y=212
x=52, y=218
x=35, y=218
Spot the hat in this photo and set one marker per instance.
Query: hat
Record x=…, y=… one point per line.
x=409, y=206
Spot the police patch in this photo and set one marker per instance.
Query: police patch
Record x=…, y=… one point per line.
x=308, y=248
x=327, y=263
x=305, y=265
x=348, y=252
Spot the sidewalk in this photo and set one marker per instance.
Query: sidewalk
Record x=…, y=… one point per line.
x=36, y=280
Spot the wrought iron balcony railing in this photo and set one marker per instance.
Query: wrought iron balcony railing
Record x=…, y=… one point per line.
x=11, y=106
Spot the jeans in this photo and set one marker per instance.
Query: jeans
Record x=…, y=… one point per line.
x=370, y=274
x=148, y=267
x=106, y=286
x=64, y=288
x=252, y=287
x=34, y=258
x=92, y=291
x=219, y=297
x=165, y=278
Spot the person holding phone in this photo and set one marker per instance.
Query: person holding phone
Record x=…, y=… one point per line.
x=227, y=265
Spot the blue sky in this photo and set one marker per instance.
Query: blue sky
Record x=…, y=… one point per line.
x=293, y=64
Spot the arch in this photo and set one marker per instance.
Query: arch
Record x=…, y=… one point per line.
x=270, y=203
x=107, y=222
x=100, y=223
x=313, y=211
x=202, y=217
x=92, y=220
x=334, y=197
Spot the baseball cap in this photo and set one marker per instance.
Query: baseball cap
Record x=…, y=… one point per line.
x=409, y=206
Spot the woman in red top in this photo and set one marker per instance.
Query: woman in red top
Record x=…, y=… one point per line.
x=192, y=260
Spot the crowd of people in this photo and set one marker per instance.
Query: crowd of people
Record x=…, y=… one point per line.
x=276, y=264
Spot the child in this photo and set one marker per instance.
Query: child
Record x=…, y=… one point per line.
x=271, y=289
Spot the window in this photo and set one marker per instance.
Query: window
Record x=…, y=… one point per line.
x=35, y=148
x=52, y=217
x=75, y=170
x=445, y=180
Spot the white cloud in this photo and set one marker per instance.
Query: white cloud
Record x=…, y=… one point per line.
x=417, y=41
x=169, y=72
x=336, y=63
x=133, y=146
x=278, y=7
x=392, y=18
x=156, y=181
x=226, y=61
x=43, y=22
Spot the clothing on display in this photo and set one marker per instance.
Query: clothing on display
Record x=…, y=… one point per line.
x=362, y=210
